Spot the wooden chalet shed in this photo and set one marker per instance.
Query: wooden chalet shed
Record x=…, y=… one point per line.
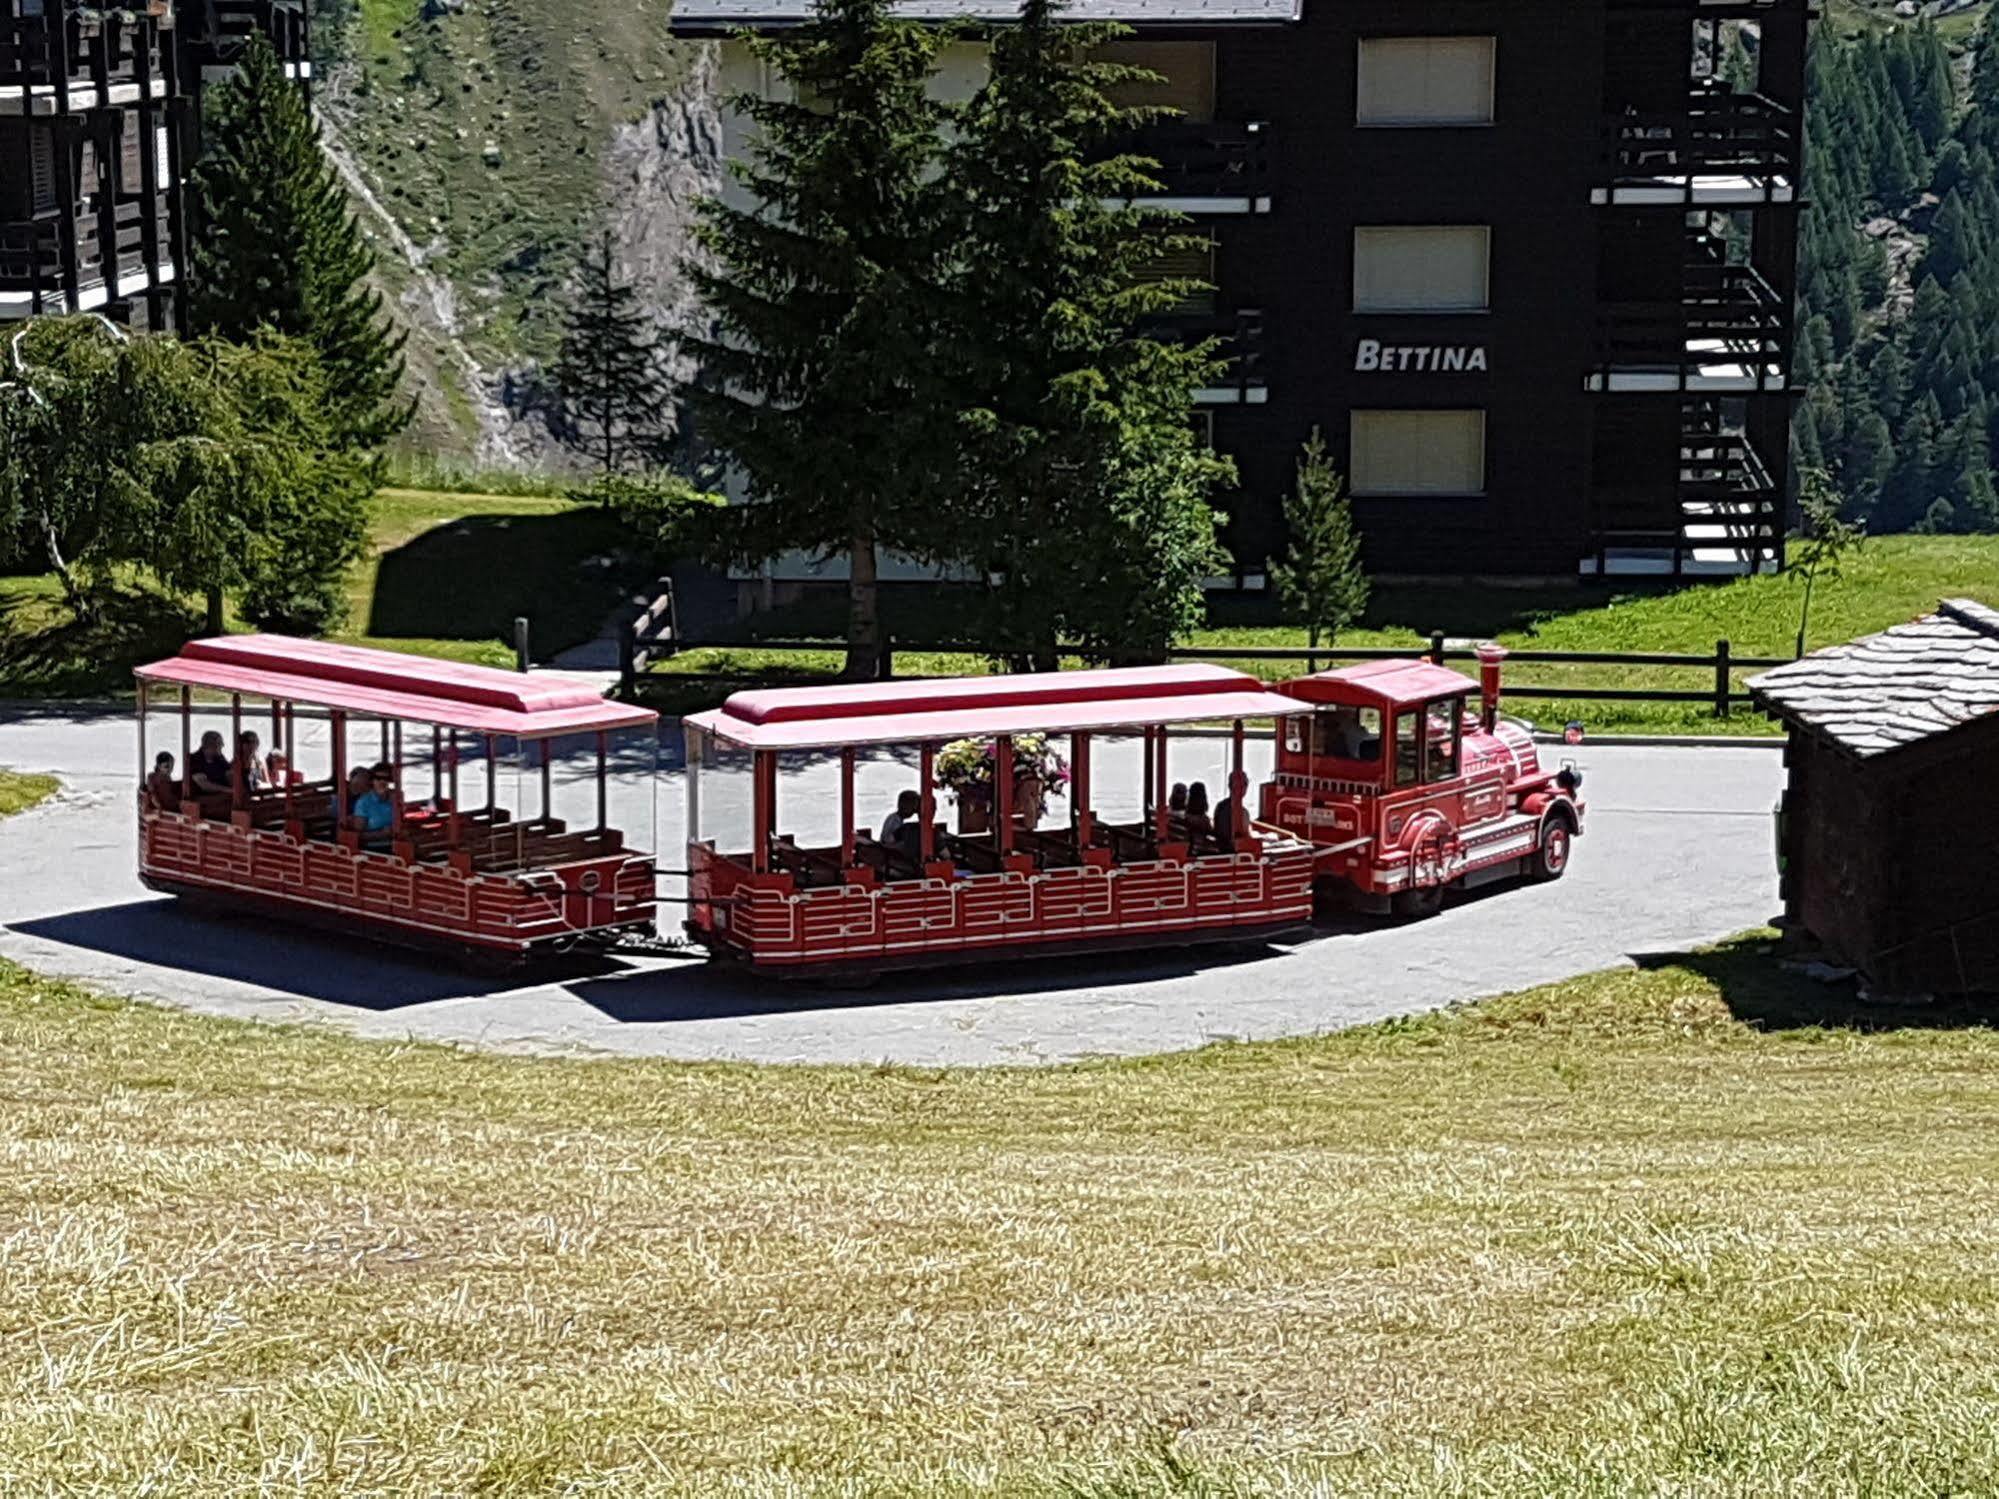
x=1889, y=833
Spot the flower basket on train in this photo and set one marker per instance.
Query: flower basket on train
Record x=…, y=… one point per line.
x=966, y=768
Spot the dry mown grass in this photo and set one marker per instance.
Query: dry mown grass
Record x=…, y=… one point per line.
x=1601, y=1236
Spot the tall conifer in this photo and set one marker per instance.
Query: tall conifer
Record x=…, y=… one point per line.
x=279, y=248
x=819, y=358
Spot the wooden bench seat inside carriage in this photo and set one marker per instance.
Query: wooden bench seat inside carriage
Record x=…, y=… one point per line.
x=454, y=868
x=1015, y=886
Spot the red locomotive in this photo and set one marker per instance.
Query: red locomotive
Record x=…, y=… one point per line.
x=1405, y=794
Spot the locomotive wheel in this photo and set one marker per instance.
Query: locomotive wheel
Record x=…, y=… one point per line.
x=1413, y=905
x=1551, y=858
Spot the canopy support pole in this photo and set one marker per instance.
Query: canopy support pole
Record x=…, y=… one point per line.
x=603, y=805
x=236, y=798
x=281, y=741
x=436, y=762
x=338, y=721
x=1162, y=815
x=1003, y=791
x=492, y=774
x=762, y=813
x=697, y=747
x=847, y=808
x=187, y=743
x=1152, y=796
x=396, y=796
x=547, y=748
x=1238, y=793
x=1079, y=790
x=144, y=769
x=454, y=828
x=926, y=839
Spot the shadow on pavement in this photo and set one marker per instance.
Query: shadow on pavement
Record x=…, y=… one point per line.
x=696, y=990
x=249, y=950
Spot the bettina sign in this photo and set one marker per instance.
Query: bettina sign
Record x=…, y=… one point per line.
x=1375, y=357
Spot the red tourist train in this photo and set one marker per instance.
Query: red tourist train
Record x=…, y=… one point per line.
x=1385, y=786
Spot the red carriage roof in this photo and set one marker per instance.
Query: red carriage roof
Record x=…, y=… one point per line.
x=388, y=684
x=913, y=712
x=1395, y=684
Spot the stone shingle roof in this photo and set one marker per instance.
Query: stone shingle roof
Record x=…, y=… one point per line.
x=695, y=17
x=1898, y=688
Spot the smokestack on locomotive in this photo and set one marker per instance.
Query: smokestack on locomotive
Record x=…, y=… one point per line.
x=1490, y=656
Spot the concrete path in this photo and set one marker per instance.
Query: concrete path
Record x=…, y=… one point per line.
x=1677, y=851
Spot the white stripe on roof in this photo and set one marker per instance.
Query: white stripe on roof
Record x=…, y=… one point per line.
x=696, y=16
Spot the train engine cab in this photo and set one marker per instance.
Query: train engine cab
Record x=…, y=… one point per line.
x=1406, y=793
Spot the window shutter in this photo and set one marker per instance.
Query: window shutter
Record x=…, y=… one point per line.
x=1418, y=452
x=1421, y=268
x=41, y=153
x=1186, y=76
x=1191, y=264
x=1425, y=80
x=130, y=161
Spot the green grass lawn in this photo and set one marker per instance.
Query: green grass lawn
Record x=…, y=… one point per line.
x=1889, y=580
x=20, y=791
x=1645, y=1232
x=444, y=574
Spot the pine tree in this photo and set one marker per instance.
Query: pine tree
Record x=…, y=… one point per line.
x=1085, y=491
x=1320, y=582
x=279, y=248
x=819, y=365
x=1956, y=243
x=608, y=374
x=1985, y=67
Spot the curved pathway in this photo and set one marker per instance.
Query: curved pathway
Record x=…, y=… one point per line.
x=1677, y=852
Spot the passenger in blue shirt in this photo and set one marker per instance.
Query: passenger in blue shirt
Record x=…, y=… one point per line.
x=375, y=809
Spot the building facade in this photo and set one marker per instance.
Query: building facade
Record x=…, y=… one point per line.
x=1530, y=267
x=99, y=118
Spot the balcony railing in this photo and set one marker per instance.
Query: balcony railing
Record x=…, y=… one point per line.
x=1239, y=338
x=34, y=255
x=1208, y=166
x=1724, y=146
x=66, y=53
x=1727, y=330
x=1725, y=515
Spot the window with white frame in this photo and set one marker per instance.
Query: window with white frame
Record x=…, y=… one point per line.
x=1421, y=267
x=1425, y=80
x=1417, y=453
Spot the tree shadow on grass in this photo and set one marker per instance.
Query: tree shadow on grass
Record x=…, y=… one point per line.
x=45, y=651
x=469, y=579
x=1767, y=985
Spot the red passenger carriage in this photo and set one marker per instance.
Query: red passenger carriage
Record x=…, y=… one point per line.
x=1015, y=888
x=469, y=874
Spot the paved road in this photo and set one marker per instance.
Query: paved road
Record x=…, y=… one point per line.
x=1677, y=851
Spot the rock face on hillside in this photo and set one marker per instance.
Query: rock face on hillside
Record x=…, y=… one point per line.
x=484, y=141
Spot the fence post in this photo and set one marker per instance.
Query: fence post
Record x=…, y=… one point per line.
x=628, y=660
x=885, y=662
x=1436, y=647
x=520, y=643
x=1721, y=683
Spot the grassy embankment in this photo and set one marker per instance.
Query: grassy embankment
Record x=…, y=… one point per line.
x=21, y=790
x=443, y=573
x=1631, y=1233
x=1889, y=580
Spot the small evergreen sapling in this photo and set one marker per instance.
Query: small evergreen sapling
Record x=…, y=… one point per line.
x=1320, y=582
x=609, y=373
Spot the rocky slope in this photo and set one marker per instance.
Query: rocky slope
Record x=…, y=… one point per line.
x=484, y=140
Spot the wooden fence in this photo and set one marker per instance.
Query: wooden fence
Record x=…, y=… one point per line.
x=1715, y=670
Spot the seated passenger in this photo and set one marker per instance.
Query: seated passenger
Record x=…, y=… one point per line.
x=1229, y=821
x=210, y=767
x=163, y=786
x=1176, y=799
x=1199, y=828
x=374, y=812
x=250, y=758
x=279, y=770
x=903, y=828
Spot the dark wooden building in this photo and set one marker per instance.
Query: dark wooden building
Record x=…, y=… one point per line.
x=99, y=119
x=1889, y=833
x=1530, y=266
